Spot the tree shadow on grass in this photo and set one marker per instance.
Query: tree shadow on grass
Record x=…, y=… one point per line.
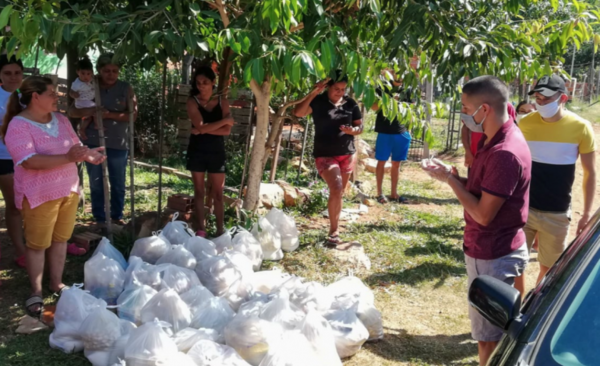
x=422, y=273
x=433, y=247
x=440, y=349
x=412, y=199
x=446, y=231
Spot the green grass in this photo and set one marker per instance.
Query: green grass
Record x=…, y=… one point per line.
x=585, y=110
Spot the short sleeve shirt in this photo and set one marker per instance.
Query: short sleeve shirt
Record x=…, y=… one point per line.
x=329, y=140
x=25, y=139
x=85, y=90
x=501, y=168
x=555, y=148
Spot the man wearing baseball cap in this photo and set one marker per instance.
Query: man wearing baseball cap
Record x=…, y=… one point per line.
x=556, y=138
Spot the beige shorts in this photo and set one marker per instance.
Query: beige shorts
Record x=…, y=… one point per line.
x=552, y=229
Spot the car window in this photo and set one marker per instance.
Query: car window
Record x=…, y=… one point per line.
x=576, y=341
x=571, y=335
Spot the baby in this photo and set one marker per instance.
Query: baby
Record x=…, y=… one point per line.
x=82, y=90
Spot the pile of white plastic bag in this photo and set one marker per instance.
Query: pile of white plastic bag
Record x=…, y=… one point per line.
x=188, y=301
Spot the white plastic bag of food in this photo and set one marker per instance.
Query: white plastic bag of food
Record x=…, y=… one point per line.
x=100, y=330
x=149, y=344
x=195, y=297
x=141, y=273
x=73, y=307
x=269, y=239
x=150, y=248
x=286, y=226
x=179, y=359
x=237, y=294
x=293, y=350
x=280, y=311
x=106, y=248
x=217, y=274
x=117, y=352
x=200, y=248
x=104, y=278
x=371, y=318
x=178, y=256
x=178, y=278
x=292, y=284
x=66, y=345
x=224, y=241
x=208, y=353
x=252, y=337
x=215, y=313
x=168, y=307
x=254, y=306
x=186, y=338
x=349, y=291
x=312, y=295
x=349, y=332
x=266, y=281
x=245, y=243
x=97, y=357
x=131, y=302
x=177, y=232
x=320, y=336
x=240, y=261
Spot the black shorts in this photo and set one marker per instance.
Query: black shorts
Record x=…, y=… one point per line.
x=7, y=167
x=204, y=163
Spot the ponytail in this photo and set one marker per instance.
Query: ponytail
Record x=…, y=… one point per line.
x=20, y=99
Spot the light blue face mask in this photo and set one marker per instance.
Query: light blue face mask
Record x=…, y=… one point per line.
x=469, y=121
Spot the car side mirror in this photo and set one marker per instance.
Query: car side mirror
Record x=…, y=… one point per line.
x=495, y=300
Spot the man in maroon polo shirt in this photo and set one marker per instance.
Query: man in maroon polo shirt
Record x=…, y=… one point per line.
x=495, y=197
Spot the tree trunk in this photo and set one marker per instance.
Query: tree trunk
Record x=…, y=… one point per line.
x=262, y=93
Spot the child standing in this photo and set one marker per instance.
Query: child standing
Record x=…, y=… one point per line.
x=82, y=90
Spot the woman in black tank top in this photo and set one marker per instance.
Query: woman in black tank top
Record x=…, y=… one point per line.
x=211, y=121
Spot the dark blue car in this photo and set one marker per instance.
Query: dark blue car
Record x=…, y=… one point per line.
x=559, y=321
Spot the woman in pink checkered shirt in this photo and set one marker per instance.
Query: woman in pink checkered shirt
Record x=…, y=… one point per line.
x=45, y=150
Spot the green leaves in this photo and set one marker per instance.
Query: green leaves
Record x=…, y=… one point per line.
x=5, y=16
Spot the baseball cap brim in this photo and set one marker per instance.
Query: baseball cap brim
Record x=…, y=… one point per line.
x=544, y=91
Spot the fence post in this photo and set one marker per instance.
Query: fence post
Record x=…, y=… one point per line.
x=102, y=143
x=429, y=100
x=131, y=165
x=160, y=143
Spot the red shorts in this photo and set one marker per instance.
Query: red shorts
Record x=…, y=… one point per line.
x=344, y=162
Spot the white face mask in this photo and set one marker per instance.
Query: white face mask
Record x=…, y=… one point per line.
x=549, y=110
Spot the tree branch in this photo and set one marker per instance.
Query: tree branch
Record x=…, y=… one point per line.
x=224, y=16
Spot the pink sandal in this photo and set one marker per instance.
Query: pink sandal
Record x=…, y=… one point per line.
x=21, y=262
x=73, y=249
x=201, y=233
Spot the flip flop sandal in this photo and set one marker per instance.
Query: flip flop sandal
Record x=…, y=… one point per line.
x=399, y=199
x=201, y=233
x=73, y=249
x=333, y=241
x=21, y=262
x=381, y=199
x=34, y=300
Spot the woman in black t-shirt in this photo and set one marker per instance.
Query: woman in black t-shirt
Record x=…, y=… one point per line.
x=211, y=120
x=337, y=119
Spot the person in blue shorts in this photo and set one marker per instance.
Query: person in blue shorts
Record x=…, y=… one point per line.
x=393, y=139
